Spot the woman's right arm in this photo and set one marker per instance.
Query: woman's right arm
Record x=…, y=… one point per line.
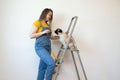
x=34, y=33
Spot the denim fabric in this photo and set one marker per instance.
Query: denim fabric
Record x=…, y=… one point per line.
x=43, y=50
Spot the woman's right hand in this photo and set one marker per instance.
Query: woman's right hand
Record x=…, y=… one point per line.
x=46, y=31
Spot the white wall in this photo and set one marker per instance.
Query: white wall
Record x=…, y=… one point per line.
x=97, y=35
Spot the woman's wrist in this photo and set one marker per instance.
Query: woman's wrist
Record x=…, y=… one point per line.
x=43, y=32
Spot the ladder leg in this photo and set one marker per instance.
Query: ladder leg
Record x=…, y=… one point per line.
x=59, y=54
x=60, y=51
x=60, y=60
x=58, y=57
x=57, y=72
x=75, y=65
x=82, y=65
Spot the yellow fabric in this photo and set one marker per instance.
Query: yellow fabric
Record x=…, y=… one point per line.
x=40, y=24
x=54, y=55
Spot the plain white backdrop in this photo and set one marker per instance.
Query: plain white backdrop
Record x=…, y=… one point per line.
x=97, y=35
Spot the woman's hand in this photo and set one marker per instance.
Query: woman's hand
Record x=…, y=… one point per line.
x=46, y=31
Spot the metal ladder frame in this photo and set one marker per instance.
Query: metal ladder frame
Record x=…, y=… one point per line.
x=62, y=51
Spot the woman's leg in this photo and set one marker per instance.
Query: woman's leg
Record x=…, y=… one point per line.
x=41, y=71
x=46, y=58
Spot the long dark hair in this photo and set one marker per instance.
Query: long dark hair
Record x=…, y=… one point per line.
x=44, y=14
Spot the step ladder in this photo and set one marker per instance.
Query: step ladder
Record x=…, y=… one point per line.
x=63, y=51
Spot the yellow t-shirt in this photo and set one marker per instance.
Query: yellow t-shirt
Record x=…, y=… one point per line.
x=40, y=25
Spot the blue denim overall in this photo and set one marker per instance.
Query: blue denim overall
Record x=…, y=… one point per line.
x=43, y=50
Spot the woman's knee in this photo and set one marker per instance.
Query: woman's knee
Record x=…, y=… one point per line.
x=52, y=63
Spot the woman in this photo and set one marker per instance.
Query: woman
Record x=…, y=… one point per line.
x=42, y=32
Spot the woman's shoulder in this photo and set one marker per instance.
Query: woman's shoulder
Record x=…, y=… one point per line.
x=40, y=23
x=37, y=23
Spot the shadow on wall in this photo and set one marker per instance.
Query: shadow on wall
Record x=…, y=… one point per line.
x=3, y=50
x=84, y=46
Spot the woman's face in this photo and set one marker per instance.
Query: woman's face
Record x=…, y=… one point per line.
x=49, y=16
